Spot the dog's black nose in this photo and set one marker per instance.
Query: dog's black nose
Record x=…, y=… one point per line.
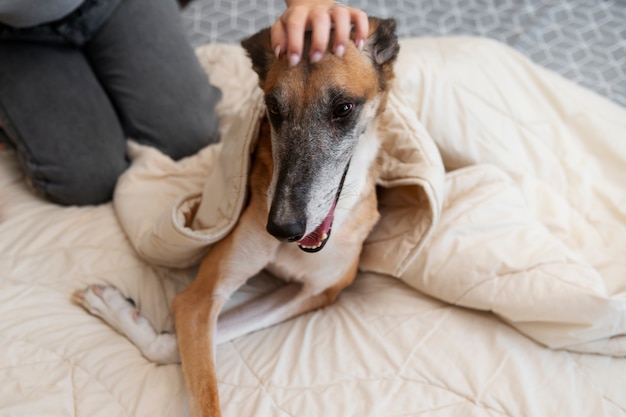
x=290, y=232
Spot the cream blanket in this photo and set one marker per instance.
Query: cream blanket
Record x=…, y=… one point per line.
x=527, y=220
x=527, y=223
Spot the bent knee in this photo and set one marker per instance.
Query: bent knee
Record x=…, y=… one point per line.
x=89, y=183
x=179, y=131
x=191, y=132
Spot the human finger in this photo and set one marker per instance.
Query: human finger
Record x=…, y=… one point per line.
x=360, y=22
x=320, y=22
x=341, y=20
x=295, y=23
x=278, y=37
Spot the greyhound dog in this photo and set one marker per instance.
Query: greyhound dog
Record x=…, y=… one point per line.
x=314, y=169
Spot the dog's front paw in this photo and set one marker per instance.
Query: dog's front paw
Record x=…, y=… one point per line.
x=108, y=303
x=121, y=313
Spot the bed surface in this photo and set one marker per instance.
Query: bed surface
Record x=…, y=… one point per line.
x=389, y=347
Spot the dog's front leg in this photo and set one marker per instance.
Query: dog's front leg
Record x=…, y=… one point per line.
x=195, y=317
x=227, y=266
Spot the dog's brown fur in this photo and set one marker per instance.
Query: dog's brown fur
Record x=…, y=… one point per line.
x=317, y=278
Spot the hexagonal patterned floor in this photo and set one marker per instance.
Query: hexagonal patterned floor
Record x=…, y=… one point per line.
x=584, y=40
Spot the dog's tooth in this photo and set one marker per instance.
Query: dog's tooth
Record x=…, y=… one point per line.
x=324, y=236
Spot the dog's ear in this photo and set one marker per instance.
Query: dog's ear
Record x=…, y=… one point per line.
x=382, y=43
x=259, y=49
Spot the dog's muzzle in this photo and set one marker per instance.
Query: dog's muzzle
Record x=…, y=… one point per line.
x=294, y=232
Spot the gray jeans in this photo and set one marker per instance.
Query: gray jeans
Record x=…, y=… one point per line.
x=68, y=107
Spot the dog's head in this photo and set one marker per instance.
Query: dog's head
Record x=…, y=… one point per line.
x=317, y=114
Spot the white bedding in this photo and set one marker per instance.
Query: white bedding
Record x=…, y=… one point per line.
x=533, y=227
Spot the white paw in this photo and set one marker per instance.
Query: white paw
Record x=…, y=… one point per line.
x=109, y=304
x=120, y=313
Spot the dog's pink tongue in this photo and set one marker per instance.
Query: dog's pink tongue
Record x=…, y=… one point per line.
x=318, y=235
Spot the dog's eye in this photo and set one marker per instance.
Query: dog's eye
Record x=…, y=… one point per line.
x=273, y=109
x=342, y=110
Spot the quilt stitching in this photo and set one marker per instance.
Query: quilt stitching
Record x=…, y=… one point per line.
x=522, y=127
x=464, y=398
x=261, y=384
x=72, y=365
x=585, y=374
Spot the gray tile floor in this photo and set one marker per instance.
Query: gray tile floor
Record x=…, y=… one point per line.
x=584, y=40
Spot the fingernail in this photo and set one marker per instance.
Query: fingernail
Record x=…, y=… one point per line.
x=277, y=51
x=316, y=57
x=294, y=59
x=360, y=44
x=340, y=50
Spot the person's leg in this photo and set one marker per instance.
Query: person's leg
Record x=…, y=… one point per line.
x=162, y=95
x=61, y=122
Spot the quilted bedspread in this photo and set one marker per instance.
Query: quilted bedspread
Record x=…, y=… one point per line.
x=494, y=284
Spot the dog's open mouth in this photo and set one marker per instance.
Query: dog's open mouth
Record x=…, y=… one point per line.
x=315, y=241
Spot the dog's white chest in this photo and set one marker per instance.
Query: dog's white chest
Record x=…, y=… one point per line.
x=316, y=270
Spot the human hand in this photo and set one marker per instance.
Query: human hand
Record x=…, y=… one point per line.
x=318, y=16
